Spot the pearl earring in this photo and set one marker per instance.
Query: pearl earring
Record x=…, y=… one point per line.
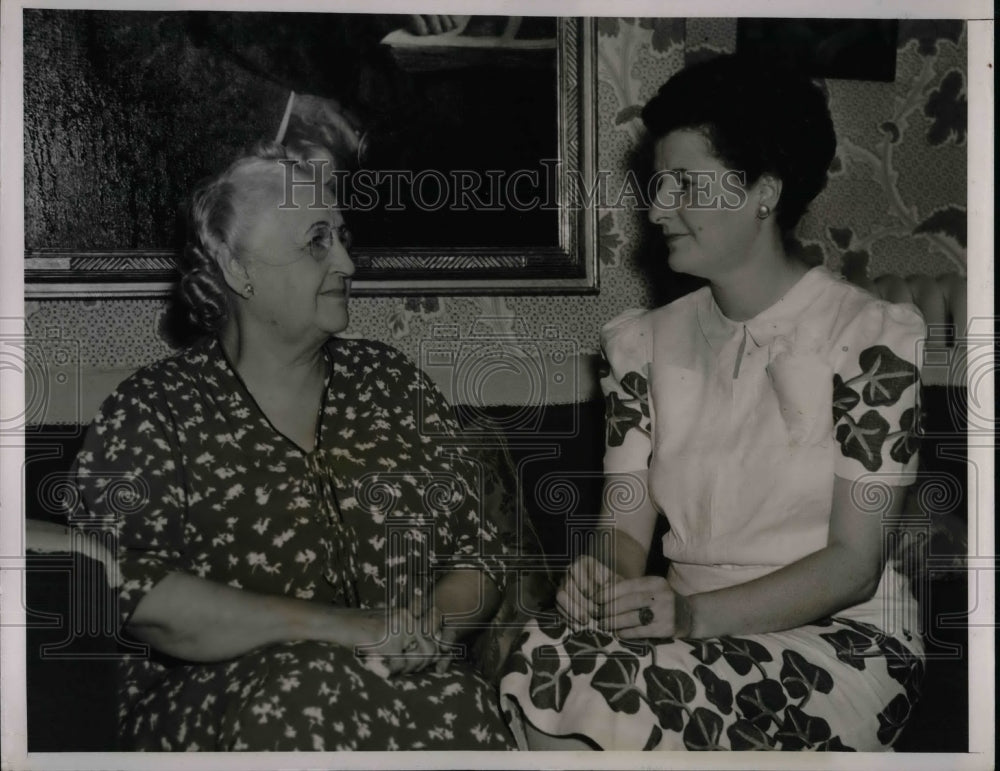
x=763, y=211
x=248, y=290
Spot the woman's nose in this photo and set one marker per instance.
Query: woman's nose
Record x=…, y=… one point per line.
x=657, y=215
x=342, y=262
x=663, y=205
x=660, y=214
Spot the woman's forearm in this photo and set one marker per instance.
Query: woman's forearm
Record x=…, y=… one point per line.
x=466, y=598
x=622, y=553
x=813, y=587
x=194, y=619
x=623, y=538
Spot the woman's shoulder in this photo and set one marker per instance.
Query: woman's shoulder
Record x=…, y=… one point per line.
x=629, y=339
x=375, y=366
x=159, y=387
x=644, y=322
x=631, y=322
x=856, y=315
x=169, y=371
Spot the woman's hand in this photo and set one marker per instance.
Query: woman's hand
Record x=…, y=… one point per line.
x=405, y=644
x=643, y=607
x=430, y=24
x=444, y=636
x=576, y=599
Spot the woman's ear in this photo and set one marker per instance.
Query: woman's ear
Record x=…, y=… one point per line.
x=769, y=190
x=235, y=272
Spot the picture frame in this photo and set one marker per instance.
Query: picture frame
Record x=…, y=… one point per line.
x=567, y=264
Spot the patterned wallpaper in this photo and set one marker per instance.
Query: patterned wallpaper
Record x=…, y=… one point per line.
x=896, y=202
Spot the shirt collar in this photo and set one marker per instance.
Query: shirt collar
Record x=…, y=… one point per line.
x=770, y=322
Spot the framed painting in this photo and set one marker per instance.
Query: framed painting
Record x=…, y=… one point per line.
x=462, y=150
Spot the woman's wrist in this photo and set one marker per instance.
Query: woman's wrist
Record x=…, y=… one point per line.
x=684, y=625
x=328, y=623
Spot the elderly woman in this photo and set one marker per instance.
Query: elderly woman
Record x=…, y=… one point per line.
x=304, y=541
x=770, y=418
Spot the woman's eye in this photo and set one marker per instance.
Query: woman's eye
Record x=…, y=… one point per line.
x=320, y=244
x=322, y=241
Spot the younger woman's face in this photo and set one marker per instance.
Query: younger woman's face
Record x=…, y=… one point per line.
x=707, y=215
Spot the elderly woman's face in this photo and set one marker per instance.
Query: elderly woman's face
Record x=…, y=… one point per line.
x=298, y=262
x=706, y=214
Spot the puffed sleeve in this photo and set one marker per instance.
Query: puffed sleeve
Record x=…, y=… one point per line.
x=469, y=534
x=626, y=345
x=876, y=394
x=130, y=489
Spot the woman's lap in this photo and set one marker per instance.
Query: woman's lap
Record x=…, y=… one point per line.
x=835, y=685
x=313, y=696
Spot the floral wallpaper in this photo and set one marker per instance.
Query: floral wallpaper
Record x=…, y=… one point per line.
x=895, y=202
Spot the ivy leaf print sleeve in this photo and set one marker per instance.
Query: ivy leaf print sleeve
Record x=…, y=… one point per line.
x=129, y=481
x=876, y=395
x=626, y=343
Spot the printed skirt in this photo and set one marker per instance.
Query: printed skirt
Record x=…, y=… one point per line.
x=838, y=684
x=312, y=695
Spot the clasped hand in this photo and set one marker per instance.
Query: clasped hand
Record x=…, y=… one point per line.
x=407, y=640
x=594, y=596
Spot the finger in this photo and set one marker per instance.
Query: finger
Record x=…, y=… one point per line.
x=581, y=567
x=626, y=620
x=417, y=25
x=630, y=602
x=562, y=606
x=565, y=615
x=575, y=605
x=645, y=585
x=576, y=587
x=581, y=576
x=452, y=21
x=444, y=658
x=421, y=656
x=394, y=664
x=434, y=22
x=568, y=611
x=601, y=574
x=409, y=661
x=663, y=632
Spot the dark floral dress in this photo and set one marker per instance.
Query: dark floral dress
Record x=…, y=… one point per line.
x=743, y=428
x=185, y=473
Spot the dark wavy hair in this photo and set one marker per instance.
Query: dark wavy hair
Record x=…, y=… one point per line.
x=214, y=221
x=759, y=118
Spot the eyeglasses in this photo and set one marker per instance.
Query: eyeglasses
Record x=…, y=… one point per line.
x=321, y=243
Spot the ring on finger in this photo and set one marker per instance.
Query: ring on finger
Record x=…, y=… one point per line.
x=646, y=616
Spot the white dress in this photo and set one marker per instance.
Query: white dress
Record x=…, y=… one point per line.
x=743, y=427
